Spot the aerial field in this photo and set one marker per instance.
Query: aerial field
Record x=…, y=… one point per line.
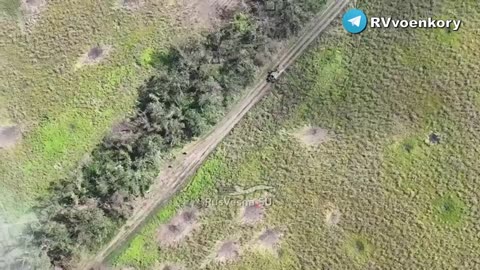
x=70, y=70
x=364, y=156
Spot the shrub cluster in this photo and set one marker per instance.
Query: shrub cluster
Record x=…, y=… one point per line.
x=193, y=86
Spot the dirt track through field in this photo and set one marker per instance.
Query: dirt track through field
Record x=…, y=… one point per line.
x=171, y=180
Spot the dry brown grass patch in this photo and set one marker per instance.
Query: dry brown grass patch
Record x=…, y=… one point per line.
x=179, y=227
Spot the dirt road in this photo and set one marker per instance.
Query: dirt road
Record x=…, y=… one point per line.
x=171, y=180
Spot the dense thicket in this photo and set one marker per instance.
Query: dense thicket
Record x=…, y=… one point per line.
x=193, y=86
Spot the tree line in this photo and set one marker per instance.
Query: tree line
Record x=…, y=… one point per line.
x=194, y=84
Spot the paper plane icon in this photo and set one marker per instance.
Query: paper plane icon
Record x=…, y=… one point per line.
x=356, y=21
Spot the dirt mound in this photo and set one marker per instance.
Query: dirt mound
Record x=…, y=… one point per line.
x=252, y=213
x=312, y=136
x=31, y=10
x=332, y=214
x=9, y=136
x=33, y=6
x=172, y=233
x=229, y=251
x=332, y=217
x=270, y=239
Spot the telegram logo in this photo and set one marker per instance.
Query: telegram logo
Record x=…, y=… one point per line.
x=354, y=21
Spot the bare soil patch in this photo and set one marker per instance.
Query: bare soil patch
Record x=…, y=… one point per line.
x=332, y=215
x=9, y=136
x=229, y=251
x=252, y=213
x=31, y=7
x=312, y=136
x=207, y=13
x=177, y=230
x=270, y=239
x=94, y=55
x=131, y=4
x=31, y=10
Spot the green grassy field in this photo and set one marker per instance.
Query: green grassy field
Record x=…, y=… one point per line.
x=378, y=194
x=62, y=107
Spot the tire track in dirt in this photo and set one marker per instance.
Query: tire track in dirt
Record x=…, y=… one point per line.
x=171, y=180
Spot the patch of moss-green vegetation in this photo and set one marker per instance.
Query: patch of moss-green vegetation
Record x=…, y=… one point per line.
x=359, y=248
x=56, y=137
x=450, y=209
x=398, y=171
x=407, y=152
x=147, y=57
x=242, y=23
